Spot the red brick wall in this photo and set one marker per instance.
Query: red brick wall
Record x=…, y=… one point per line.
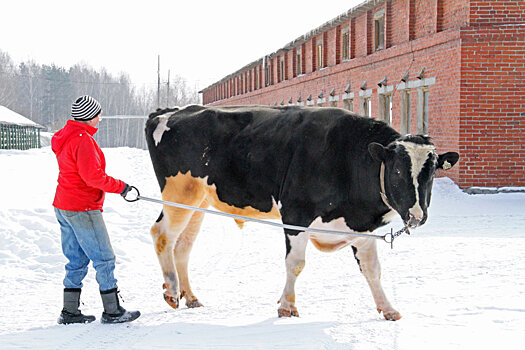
x=400, y=20
x=492, y=132
x=476, y=105
x=426, y=18
x=336, y=46
x=455, y=13
x=360, y=36
x=484, y=12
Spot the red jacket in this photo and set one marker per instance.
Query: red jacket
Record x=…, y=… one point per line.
x=82, y=178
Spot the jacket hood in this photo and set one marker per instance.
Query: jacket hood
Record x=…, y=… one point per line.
x=72, y=127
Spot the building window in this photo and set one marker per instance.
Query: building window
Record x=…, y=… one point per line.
x=385, y=108
x=299, y=61
x=345, y=52
x=267, y=73
x=379, y=30
x=261, y=70
x=405, y=112
x=241, y=85
x=366, y=107
x=348, y=104
x=257, y=77
x=281, y=69
x=422, y=111
x=320, y=57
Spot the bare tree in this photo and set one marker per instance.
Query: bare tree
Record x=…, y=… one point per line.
x=7, y=93
x=45, y=92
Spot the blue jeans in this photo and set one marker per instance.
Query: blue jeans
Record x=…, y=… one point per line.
x=85, y=238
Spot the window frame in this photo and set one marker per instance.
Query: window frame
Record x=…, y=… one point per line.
x=379, y=30
x=320, y=56
x=345, y=44
x=299, y=61
x=422, y=110
x=385, y=107
x=348, y=104
x=267, y=74
x=282, y=69
x=366, y=106
x=406, y=111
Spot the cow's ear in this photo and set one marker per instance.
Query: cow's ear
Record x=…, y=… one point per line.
x=377, y=151
x=447, y=160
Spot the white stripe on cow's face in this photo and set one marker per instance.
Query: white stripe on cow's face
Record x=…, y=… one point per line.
x=160, y=129
x=418, y=156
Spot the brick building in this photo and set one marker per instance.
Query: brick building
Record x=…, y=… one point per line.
x=452, y=69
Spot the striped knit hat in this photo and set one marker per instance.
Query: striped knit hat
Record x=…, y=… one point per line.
x=85, y=108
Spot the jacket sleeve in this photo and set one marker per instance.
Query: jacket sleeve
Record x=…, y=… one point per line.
x=90, y=168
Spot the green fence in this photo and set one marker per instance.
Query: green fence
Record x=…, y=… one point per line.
x=19, y=137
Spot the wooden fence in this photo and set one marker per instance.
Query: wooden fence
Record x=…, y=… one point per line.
x=21, y=137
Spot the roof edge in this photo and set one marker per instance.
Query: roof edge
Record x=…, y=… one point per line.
x=334, y=22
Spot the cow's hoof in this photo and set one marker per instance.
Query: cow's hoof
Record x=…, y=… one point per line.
x=287, y=313
x=171, y=300
x=392, y=315
x=193, y=303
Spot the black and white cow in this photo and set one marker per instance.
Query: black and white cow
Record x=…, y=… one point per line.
x=314, y=167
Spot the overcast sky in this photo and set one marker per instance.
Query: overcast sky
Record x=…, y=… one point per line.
x=202, y=41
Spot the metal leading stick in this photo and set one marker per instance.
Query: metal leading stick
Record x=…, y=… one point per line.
x=388, y=238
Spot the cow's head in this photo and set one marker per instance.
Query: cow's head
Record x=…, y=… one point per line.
x=407, y=173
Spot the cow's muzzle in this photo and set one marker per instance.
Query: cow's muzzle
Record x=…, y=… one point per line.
x=415, y=220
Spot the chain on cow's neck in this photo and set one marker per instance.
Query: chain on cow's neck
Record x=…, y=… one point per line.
x=392, y=234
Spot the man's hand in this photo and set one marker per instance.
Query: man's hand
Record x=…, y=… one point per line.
x=125, y=191
x=134, y=196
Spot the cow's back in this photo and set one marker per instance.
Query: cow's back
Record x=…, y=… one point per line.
x=255, y=155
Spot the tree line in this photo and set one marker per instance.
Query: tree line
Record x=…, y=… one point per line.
x=44, y=93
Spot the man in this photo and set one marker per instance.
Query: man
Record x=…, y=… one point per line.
x=82, y=183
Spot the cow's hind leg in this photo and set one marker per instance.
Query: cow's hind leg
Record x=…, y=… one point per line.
x=182, y=255
x=366, y=256
x=168, y=228
x=295, y=260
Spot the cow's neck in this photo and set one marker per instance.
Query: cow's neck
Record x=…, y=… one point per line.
x=382, y=183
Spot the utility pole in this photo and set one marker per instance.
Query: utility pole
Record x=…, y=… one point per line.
x=168, y=94
x=158, y=83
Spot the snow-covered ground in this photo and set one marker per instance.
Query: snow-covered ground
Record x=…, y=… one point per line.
x=458, y=281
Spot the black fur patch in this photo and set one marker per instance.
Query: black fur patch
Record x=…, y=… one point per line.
x=354, y=249
x=162, y=112
x=288, y=246
x=417, y=139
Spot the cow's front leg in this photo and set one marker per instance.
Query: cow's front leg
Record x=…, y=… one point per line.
x=295, y=260
x=366, y=254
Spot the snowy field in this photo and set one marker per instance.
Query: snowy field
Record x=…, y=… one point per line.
x=458, y=281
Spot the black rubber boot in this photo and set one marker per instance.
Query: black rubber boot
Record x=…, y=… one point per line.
x=70, y=313
x=113, y=312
